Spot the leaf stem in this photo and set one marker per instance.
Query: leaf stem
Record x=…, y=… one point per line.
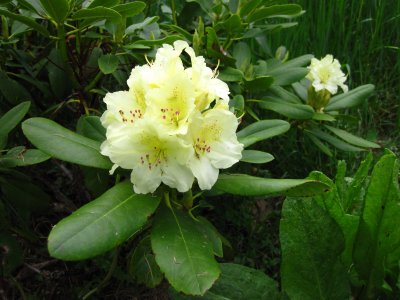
x=173, y=9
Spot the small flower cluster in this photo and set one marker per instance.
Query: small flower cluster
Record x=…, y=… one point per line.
x=173, y=124
x=325, y=74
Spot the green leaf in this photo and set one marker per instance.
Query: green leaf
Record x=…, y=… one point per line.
x=377, y=245
x=102, y=224
x=58, y=10
x=183, y=253
x=166, y=40
x=11, y=119
x=333, y=141
x=90, y=127
x=249, y=6
x=64, y=144
x=352, y=139
x=143, y=267
x=256, y=157
x=230, y=75
x=98, y=13
x=245, y=185
x=332, y=203
x=323, y=117
x=27, y=21
x=317, y=142
x=20, y=156
x=259, y=84
x=130, y=9
x=286, y=76
x=352, y=98
x=242, y=54
x=275, y=11
x=108, y=63
x=233, y=25
x=262, y=130
x=132, y=28
x=105, y=3
x=290, y=110
x=12, y=90
x=212, y=234
x=240, y=282
x=283, y=95
x=311, y=244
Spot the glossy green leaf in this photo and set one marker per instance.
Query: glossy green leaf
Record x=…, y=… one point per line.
x=26, y=20
x=352, y=98
x=64, y=144
x=256, y=157
x=377, y=245
x=311, y=244
x=262, y=130
x=11, y=119
x=184, y=254
x=108, y=63
x=142, y=265
x=102, y=224
x=290, y=110
x=130, y=9
x=259, y=84
x=90, y=127
x=212, y=234
x=245, y=185
x=352, y=139
x=58, y=10
x=275, y=11
x=97, y=13
x=20, y=156
x=105, y=3
x=334, y=141
x=230, y=75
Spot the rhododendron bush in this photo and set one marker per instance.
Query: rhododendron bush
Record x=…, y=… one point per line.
x=160, y=109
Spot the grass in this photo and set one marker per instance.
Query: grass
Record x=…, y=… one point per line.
x=364, y=35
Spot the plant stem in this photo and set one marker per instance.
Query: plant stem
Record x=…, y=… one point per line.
x=62, y=46
x=108, y=276
x=173, y=8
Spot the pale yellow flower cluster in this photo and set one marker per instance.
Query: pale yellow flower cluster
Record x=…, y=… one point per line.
x=173, y=124
x=325, y=74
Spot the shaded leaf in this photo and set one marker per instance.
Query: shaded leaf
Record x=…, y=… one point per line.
x=352, y=98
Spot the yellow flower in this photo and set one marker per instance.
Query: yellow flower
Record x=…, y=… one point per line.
x=325, y=74
x=172, y=125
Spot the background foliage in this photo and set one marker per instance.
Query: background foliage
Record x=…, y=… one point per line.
x=63, y=58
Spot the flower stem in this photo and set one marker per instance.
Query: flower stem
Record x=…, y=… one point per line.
x=173, y=8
